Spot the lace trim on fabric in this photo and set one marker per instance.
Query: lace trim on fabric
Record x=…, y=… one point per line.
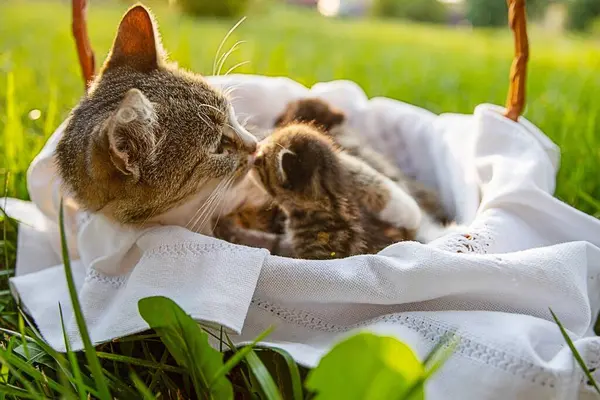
x=474, y=242
x=186, y=248
x=433, y=331
x=95, y=276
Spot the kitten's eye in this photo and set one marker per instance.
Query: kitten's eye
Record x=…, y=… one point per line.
x=226, y=142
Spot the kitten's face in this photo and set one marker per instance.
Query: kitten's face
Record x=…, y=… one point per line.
x=148, y=136
x=297, y=165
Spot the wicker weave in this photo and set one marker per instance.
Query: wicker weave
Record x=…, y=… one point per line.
x=515, y=101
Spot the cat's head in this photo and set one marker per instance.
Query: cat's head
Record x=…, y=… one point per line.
x=312, y=111
x=148, y=136
x=298, y=165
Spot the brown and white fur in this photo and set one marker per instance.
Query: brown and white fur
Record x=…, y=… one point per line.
x=335, y=204
x=332, y=121
x=149, y=142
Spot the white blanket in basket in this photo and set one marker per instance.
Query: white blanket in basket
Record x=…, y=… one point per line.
x=527, y=252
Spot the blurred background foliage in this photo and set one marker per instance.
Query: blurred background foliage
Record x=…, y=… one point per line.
x=577, y=15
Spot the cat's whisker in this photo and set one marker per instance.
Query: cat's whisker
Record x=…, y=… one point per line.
x=207, y=205
x=216, y=201
x=203, y=118
x=230, y=90
x=246, y=119
x=211, y=107
x=199, y=214
x=220, y=203
x=202, y=209
x=193, y=217
x=236, y=66
x=223, y=43
x=202, y=182
x=225, y=56
x=233, y=99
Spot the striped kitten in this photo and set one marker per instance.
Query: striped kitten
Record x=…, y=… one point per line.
x=331, y=120
x=335, y=204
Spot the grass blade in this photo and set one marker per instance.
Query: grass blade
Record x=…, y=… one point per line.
x=157, y=374
x=262, y=375
x=25, y=382
x=143, y=389
x=239, y=356
x=440, y=353
x=295, y=378
x=90, y=351
x=576, y=354
x=15, y=391
x=140, y=362
x=73, y=360
x=188, y=344
x=232, y=347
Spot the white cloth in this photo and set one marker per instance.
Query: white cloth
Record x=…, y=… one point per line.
x=527, y=252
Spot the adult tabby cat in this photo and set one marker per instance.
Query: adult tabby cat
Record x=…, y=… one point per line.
x=150, y=142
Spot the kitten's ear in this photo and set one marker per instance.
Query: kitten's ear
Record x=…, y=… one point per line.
x=284, y=118
x=295, y=174
x=137, y=43
x=130, y=133
x=337, y=116
x=279, y=121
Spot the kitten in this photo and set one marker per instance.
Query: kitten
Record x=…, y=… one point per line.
x=150, y=142
x=331, y=120
x=335, y=204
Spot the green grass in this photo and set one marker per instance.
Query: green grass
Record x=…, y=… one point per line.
x=442, y=69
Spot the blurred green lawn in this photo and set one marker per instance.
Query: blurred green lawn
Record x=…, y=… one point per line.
x=439, y=68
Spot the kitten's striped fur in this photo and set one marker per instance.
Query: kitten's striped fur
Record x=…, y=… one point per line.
x=333, y=201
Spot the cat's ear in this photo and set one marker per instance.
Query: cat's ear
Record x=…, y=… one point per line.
x=294, y=173
x=137, y=44
x=130, y=133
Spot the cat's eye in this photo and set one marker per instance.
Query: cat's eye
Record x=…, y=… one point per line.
x=225, y=143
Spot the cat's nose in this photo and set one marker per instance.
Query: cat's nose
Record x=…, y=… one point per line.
x=249, y=141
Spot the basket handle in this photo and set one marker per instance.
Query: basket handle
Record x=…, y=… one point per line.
x=515, y=101
x=82, y=41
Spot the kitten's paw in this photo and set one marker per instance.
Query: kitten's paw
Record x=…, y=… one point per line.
x=225, y=229
x=402, y=210
x=431, y=230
